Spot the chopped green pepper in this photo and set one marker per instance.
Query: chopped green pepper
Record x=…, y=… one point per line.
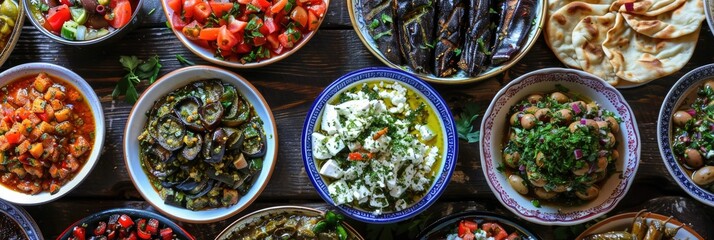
x=79, y=15
x=69, y=30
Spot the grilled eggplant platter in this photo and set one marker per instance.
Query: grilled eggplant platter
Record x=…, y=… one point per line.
x=448, y=41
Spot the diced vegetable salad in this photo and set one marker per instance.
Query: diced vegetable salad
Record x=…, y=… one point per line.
x=80, y=20
x=246, y=30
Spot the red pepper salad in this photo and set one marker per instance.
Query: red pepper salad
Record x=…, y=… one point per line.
x=246, y=30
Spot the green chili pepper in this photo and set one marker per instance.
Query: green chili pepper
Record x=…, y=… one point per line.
x=331, y=218
x=341, y=232
x=319, y=227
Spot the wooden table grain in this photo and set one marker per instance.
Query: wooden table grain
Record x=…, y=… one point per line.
x=290, y=86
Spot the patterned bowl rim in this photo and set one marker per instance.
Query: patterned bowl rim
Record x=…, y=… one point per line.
x=576, y=216
x=418, y=86
x=674, y=98
x=22, y=218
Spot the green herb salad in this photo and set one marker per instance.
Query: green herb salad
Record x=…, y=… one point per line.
x=560, y=147
x=693, y=138
x=378, y=145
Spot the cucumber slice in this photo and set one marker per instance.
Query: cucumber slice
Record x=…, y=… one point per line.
x=79, y=15
x=69, y=30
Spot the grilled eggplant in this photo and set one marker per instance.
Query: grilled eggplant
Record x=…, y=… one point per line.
x=452, y=16
x=477, y=41
x=379, y=16
x=416, y=33
x=516, y=22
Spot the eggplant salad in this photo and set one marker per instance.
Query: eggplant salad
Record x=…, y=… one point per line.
x=445, y=37
x=202, y=146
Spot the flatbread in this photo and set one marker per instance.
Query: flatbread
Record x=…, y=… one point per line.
x=648, y=7
x=673, y=24
x=639, y=58
x=554, y=5
x=588, y=36
x=560, y=27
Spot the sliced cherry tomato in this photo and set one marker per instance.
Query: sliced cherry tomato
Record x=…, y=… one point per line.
x=141, y=229
x=125, y=221
x=132, y=236
x=177, y=23
x=122, y=14
x=235, y=25
x=463, y=230
x=101, y=228
x=188, y=7
x=192, y=30
x=225, y=39
x=175, y=5
x=318, y=9
x=112, y=235
x=201, y=11
x=152, y=226
x=209, y=34
x=278, y=6
x=79, y=233
x=57, y=16
x=471, y=225
x=299, y=15
x=13, y=138
x=220, y=8
x=166, y=233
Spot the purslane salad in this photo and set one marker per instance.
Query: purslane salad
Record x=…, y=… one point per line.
x=377, y=146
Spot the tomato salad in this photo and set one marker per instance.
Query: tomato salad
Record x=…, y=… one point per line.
x=122, y=226
x=46, y=134
x=470, y=230
x=80, y=20
x=246, y=31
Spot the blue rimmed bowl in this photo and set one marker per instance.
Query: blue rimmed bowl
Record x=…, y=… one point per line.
x=684, y=88
x=413, y=84
x=11, y=214
x=493, y=129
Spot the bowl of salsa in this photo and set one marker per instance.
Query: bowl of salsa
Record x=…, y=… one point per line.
x=52, y=131
x=82, y=22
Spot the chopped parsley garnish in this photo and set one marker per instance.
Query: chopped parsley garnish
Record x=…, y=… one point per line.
x=482, y=46
x=252, y=7
x=386, y=18
x=382, y=34
x=374, y=24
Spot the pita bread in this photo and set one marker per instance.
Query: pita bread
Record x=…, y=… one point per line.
x=560, y=27
x=554, y=5
x=673, y=24
x=588, y=37
x=639, y=58
x=648, y=7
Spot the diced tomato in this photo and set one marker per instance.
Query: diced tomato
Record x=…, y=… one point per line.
x=175, y=5
x=132, y=236
x=22, y=113
x=244, y=2
x=66, y=2
x=141, y=229
x=188, y=7
x=278, y=6
x=201, y=11
x=513, y=236
x=177, y=23
x=101, y=227
x=262, y=4
x=258, y=41
x=278, y=50
x=468, y=236
x=312, y=21
x=152, y=226
x=209, y=34
x=471, y=225
x=125, y=221
x=220, y=8
x=13, y=138
x=122, y=14
x=243, y=48
x=299, y=15
x=318, y=9
x=270, y=24
x=283, y=38
x=78, y=233
x=192, y=30
x=166, y=233
x=24, y=158
x=463, y=230
x=273, y=40
x=57, y=16
x=494, y=230
x=225, y=39
x=44, y=117
x=235, y=25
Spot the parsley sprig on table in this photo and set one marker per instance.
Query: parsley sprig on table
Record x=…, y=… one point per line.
x=464, y=126
x=138, y=70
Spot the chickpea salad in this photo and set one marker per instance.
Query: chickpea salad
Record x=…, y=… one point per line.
x=559, y=147
x=378, y=147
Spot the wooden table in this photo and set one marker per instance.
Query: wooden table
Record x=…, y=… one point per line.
x=290, y=86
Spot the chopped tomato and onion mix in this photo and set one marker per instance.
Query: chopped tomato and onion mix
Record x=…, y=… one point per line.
x=80, y=20
x=246, y=30
x=122, y=226
x=46, y=134
x=470, y=230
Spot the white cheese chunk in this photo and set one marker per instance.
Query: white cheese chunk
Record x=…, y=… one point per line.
x=353, y=107
x=330, y=120
x=381, y=144
x=319, y=150
x=339, y=191
x=334, y=144
x=331, y=169
x=425, y=133
x=400, y=204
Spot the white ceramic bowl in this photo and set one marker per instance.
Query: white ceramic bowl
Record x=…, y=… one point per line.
x=137, y=120
x=259, y=215
x=621, y=222
x=589, y=86
x=683, y=88
x=208, y=54
x=413, y=84
x=95, y=105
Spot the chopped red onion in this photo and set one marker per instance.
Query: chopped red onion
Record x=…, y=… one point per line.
x=630, y=6
x=522, y=168
x=578, y=153
x=602, y=153
x=100, y=9
x=583, y=121
x=592, y=168
x=692, y=112
x=576, y=108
